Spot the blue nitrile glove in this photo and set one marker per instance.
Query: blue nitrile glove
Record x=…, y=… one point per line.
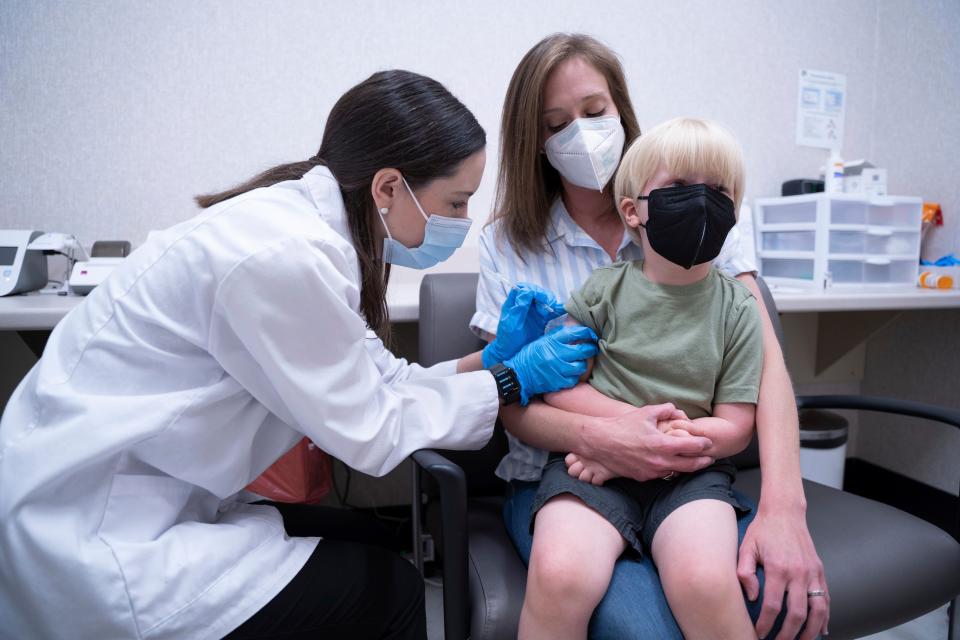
x=523, y=317
x=553, y=362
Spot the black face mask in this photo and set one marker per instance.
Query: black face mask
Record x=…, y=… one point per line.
x=687, y=225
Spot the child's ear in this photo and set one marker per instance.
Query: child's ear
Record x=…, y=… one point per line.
x=631, y=215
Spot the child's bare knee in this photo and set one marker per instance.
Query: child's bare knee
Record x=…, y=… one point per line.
x=568, y=581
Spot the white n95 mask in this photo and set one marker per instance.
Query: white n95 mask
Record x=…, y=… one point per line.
x=587, y=151
x=441, y=237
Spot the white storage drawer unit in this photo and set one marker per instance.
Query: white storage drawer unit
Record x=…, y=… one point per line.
x=822, y=240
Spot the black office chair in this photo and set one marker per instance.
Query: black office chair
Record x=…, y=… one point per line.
x=883, y=566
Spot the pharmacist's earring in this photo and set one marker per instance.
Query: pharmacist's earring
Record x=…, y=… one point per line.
x=384, y=211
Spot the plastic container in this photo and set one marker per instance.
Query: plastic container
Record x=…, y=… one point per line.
x=822, y=240
x=823, y=446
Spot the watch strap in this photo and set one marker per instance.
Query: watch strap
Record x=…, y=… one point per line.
x=508, y=386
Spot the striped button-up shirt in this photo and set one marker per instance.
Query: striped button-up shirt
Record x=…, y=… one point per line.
x=568, y=260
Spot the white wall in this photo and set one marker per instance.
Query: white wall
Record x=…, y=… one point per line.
x=114, y=114
x=916, y=134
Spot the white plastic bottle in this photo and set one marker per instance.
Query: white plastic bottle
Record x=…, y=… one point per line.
x=833, y=175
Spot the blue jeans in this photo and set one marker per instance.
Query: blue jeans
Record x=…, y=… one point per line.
x=634, y=605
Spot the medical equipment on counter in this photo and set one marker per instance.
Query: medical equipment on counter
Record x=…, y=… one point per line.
x=104, y=258
x=21, y=268
x=800, y=186
x=62, y=243
x=86, y=275
x=862, y=177
x=59, y=244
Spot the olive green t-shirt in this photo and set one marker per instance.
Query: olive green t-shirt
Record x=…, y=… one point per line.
x=693, y=345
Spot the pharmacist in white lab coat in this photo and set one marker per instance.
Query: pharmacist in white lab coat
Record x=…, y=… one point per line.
x=211, y=351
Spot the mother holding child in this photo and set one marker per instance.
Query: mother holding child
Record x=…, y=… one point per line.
x=634, y=532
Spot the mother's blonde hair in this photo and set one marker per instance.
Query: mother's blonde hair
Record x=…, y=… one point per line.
x=527, y=184
x=684, y=146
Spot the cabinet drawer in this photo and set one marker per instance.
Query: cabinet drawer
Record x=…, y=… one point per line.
x=847, y=242
x=885, y=242
x=845, y=271
x=796, y=268
x=889, y=271
x=788, y=240
x=788, y=212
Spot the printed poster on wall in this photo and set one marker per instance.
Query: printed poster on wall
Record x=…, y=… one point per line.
x=821, y=104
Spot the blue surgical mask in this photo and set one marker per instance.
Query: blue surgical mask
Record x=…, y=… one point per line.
x=441, y=238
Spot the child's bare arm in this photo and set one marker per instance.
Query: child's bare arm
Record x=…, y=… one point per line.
x=585, y=400
x=730, y=428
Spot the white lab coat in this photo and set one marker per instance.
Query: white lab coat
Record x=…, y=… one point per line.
x=201, y=360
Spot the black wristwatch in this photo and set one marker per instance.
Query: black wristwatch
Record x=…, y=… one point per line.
x=507, y=384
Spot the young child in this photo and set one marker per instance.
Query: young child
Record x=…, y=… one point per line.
x=672, y=329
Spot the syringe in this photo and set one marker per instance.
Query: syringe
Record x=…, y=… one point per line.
x=555, y=322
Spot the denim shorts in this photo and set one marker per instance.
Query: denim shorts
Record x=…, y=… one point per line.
x=637, y=509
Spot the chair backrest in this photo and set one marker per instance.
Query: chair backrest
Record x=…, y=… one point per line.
x=447, y=302
x=771, y=305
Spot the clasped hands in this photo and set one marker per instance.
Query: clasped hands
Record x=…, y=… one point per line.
x=667, y=419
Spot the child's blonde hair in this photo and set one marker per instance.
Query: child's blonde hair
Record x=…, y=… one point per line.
x=685, y=146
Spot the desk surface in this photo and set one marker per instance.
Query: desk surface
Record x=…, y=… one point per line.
x=44, y=311
x=37, y=311
x=861, y=299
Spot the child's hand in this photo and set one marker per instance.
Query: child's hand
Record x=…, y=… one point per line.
x=587, y=470
x=675, y=422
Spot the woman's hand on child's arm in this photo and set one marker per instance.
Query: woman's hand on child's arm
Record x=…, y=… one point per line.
x=730, y=428
x=587, y=401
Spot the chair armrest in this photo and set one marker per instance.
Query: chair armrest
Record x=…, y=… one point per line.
x=452, y=483
x=937, y=413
